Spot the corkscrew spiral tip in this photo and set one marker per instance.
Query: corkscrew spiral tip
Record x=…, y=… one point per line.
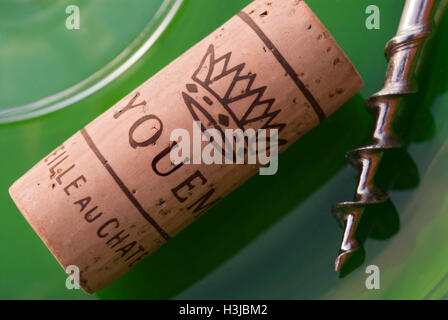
x=402, y=52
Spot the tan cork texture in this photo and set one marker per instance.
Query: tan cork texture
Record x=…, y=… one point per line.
x=110, y=196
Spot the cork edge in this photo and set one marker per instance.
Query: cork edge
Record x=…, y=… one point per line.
x=338, y=47
x=28, y=217
x=356, y=83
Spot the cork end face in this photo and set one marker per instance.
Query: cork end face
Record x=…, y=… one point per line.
x=20, y=193
x=12, y=194
x=16, y=194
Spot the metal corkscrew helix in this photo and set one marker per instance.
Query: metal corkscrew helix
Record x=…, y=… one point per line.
x=402, y=52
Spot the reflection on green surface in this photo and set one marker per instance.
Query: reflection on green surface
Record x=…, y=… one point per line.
x=282, y=242
x=47, y=64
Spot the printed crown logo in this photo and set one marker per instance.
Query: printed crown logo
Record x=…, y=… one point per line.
x=230, y=94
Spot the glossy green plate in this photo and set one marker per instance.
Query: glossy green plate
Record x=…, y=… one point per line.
x=279, y=244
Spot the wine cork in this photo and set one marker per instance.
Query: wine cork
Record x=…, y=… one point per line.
x=110, y=195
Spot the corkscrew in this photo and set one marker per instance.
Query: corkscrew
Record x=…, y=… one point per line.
x=402, y=52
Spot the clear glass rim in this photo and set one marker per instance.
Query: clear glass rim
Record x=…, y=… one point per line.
x=128, y=57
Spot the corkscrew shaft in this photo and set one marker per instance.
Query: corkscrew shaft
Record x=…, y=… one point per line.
x=402, y=52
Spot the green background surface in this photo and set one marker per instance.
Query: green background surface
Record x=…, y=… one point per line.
x=34, y=41
x=274, y=237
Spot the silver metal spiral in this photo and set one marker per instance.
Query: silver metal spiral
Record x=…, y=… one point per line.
x=402, y=52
